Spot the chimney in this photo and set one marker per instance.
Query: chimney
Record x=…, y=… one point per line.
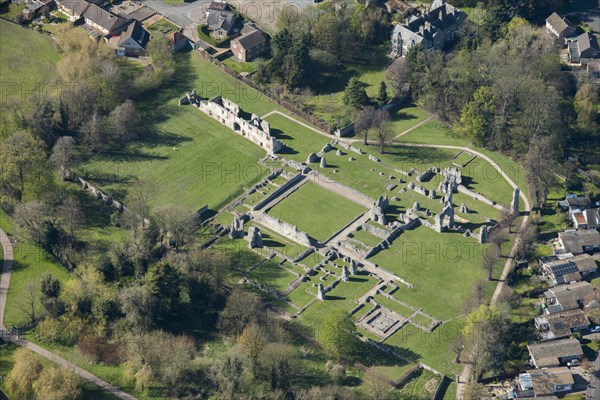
x=427, y=25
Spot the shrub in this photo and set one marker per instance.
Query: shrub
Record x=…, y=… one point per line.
x=97, y=349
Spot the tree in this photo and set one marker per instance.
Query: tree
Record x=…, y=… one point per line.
x=57, y=383
x=41, y=120
x=24, y=373
x=50, y=292
x=355, y=94
x=28, y=300
x=277, y=363
x=398, y=74
x=23, y=163
x=71, y=215
x=526, y=239
x=126, y=122
x=339, y=334
x=507, y=216
x=382, y=97
x=138, y=305
x=138, y=205
x=253, y=340
x=32, y=219
x=64, y=156
x=381, y=124
x=374, y=387
x=540, y=163
x=364, y=120
x=476, y=391
x=163, y=282
x=586, y=103
x=486, y=335
x=457, y=345
x=242, y=309
x=489, y=258
x=476, y=116
x=176, y=223
x=94, y=132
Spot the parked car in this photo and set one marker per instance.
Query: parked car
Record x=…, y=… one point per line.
x=573, y=363
x=595, y=329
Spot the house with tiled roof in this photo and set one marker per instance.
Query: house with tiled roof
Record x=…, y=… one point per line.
x=105, y=22
x=433, y=30
x=559, y=27
x=554, y=353
x=579, y=241
x=251, y=44
x=547, y=381
x=561, y=324
x=74, y=9
x=583, y=48
x=133, y=40
x=566, y=268
x=567, y=297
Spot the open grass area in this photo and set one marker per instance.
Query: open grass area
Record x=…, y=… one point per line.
x=342, y=297
x=240, y=67
x=22, y=75
x=433, y=132
x=316, y=211
x=299, y=140
x=279, y=244
x=423, y=385
x=405, y=118
x=271, y=274
x=367, y=238
x=442, y=266
x=163, y=26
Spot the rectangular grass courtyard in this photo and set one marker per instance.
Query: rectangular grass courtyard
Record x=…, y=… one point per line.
x=317, y=211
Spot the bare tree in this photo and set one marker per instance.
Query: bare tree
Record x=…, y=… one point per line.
x=28, y=300
x=489, y=258
x=364, y=120
x=71, y=214
x=63, y=156
x=507, y=216
x=32, y=218
x=138, y=203
x=540, y=164
x=398, y=74
x=457, y=346
x=381, y=124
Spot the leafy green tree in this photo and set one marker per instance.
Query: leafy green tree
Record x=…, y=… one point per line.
x=24, y=373
x=477, y=116
x=163, y=282
x=587, y=102
x=338, y=335
x=57, y=383
x=382, y=97
x=355, y=93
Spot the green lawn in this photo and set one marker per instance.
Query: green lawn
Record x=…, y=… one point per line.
x=424, y=384
x=270, y=273
x=240, y=67
x=163, y=24
x=204, y=35
x=299, y=140
x=22, y=75
x=442, y=266
x=406, y=118
x=316, y=211
x=367, y=238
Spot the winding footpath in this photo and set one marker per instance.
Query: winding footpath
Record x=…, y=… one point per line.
x=466, y=373
x=7, y=250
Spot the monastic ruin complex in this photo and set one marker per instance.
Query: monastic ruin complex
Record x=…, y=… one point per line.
x=229, y=114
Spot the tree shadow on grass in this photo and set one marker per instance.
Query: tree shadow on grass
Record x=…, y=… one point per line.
x=279, y=134
x=372, y=356
x=416, y=156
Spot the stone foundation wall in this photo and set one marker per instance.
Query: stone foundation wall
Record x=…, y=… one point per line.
x=286, y=229
x=477, y=196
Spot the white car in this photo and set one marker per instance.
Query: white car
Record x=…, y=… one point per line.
x=595, y=329
x=573, y=363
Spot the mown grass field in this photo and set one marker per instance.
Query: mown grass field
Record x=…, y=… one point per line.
x=316, y=211
x=299, y=140
x=443, y=267
x=21, y=73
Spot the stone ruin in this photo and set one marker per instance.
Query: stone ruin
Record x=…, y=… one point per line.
x=229, y=114
x=323, y=163
x=427, y=175
x=447, y=211
x=416, y=206
x=431, y=194
x=321, y=292
x=328, y=147
x=463, y=209
x=338, y=152
x=378, y=210
x=452, y=178
x=345, y=274
x=514, y=207
x=286, y=229
x=483, y=234
x=237, y=227
x=353, y=267
x=254, y=238
x=312, y=158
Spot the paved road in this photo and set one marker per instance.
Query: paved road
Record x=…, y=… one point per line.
x=7, y=249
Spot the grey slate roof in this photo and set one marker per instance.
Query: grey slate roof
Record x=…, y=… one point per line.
x=575, y=241
x=103, y=18
x=76, y=6
x=560, y=24
x=135, y=31
x=221, y=20
x=546, y=354
x=567, y=297
x=251, y=40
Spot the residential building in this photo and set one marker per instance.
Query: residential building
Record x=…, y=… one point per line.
x=567, y=297
x=562, y=270
x=250, y=45
x=559, y=27
x=593, y=69
x=133, y=40
x=433, y=30
x=179, y=41
x=573, y=203
x=103, y=21
x=555, y=353
x=586, y=219
x=34, y=8
x=220, y=19
x=582, y=48
x=579, y=241
x=561, y=324
x=547, y=381
x=74, y=9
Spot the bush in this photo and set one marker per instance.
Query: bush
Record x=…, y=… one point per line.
x=97, y=349
x=63, y=331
